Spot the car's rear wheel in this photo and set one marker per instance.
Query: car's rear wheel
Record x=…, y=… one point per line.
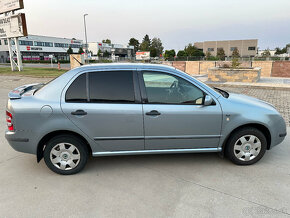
x=66, y=154
x=246, y=146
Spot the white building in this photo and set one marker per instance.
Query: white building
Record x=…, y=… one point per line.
x=117, y=50
x=38, y=48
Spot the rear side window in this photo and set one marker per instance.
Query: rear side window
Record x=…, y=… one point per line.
x=112, y=86
x=77, y=90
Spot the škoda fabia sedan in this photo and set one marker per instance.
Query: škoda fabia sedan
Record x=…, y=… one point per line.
x=134, y=109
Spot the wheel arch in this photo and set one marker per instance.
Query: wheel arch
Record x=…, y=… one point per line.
x=260, y=127
x=47, y=137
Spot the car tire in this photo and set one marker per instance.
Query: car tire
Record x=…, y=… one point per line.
x=66, y=154
x=246, y=146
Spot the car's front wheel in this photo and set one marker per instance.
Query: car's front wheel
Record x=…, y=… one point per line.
x=246, y=146
x=66, y=154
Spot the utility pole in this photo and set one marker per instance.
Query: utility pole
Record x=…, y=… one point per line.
x=85, y=26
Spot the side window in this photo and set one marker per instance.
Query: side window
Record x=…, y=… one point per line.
x=164, y=88
x=77, y=91
x=112, y=86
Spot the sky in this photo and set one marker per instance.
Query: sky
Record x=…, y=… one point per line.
x=176, y=23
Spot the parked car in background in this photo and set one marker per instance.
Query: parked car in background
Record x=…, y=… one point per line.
x=132, y=109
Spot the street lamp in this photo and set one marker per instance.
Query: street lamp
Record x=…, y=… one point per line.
x=85, y=25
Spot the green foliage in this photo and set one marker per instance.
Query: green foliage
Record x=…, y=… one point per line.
x=134, y=42
x=221, y=54
x=99, y=53
x=106, y=54
x=33, y=72
x=169, y=53
x=236, y=53
x=191, y=50
x=146, y=43
x=156, y=48
x=208, y=55
x=266, y=54
x=181, y=53
x=235, y=63
x=70, y=51
x=81, y=51
x=108, y=41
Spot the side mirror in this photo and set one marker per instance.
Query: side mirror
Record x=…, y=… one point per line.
x=207, y=100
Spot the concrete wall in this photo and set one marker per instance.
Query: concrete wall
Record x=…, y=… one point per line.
x=281, y=69
x=192, y=67
x=266, y=67
x=180, y=65
x=205, y=65
x=234, y=75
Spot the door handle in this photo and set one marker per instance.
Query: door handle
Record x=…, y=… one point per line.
x=79, y=113
x=153, y=113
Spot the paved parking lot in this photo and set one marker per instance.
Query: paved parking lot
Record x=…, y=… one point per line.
x=183, y=185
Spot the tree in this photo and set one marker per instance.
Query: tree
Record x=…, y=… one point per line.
x=208, y=55
x=192, y=51
x=106, y=54
x=266, y=53
x=108, y=41
x=221, y=54
x=169, y=53
x=99, y=53
x=81, y=51
x=146, y=43
x=281, y=51
x=134, y=42
x=156, y=48
x=181, y=53
x=70, y=51
x=236, y=53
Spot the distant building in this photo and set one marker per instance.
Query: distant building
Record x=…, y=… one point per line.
x=37, y=48
x=272, y=53
x=117, y=50
x=247, y=48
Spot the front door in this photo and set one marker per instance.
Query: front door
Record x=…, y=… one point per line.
x=174, y=114
x=105, y=106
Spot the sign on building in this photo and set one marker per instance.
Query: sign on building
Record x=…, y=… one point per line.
x=13, y=26
x=144, y=55
x=10, y=5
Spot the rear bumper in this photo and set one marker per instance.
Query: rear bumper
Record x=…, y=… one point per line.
x=19, y=142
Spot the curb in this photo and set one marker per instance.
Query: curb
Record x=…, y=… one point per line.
x=286, y=88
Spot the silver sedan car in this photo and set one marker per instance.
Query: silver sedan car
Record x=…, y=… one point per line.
x=133, y=109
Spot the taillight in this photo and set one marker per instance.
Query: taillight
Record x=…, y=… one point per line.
x=9, y=121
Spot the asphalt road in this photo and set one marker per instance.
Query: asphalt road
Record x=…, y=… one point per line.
x=182, y=185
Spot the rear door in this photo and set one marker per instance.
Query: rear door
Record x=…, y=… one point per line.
x=106, y=106
x=174, y=114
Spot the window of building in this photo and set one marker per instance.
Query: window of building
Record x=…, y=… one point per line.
x=163, y=88
x=77, y=92
x=233, y=48
x=210, y=49
x=0, y=42
x=61, y=45
x=22, y=42
x=43, y=44
x=111, y=87
x=253, y=48
x=75, y=45
x=5, y=42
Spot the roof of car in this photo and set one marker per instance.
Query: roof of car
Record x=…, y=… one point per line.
x=126, y=65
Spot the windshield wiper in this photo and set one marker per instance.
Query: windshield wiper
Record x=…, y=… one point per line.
x=223, y=92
